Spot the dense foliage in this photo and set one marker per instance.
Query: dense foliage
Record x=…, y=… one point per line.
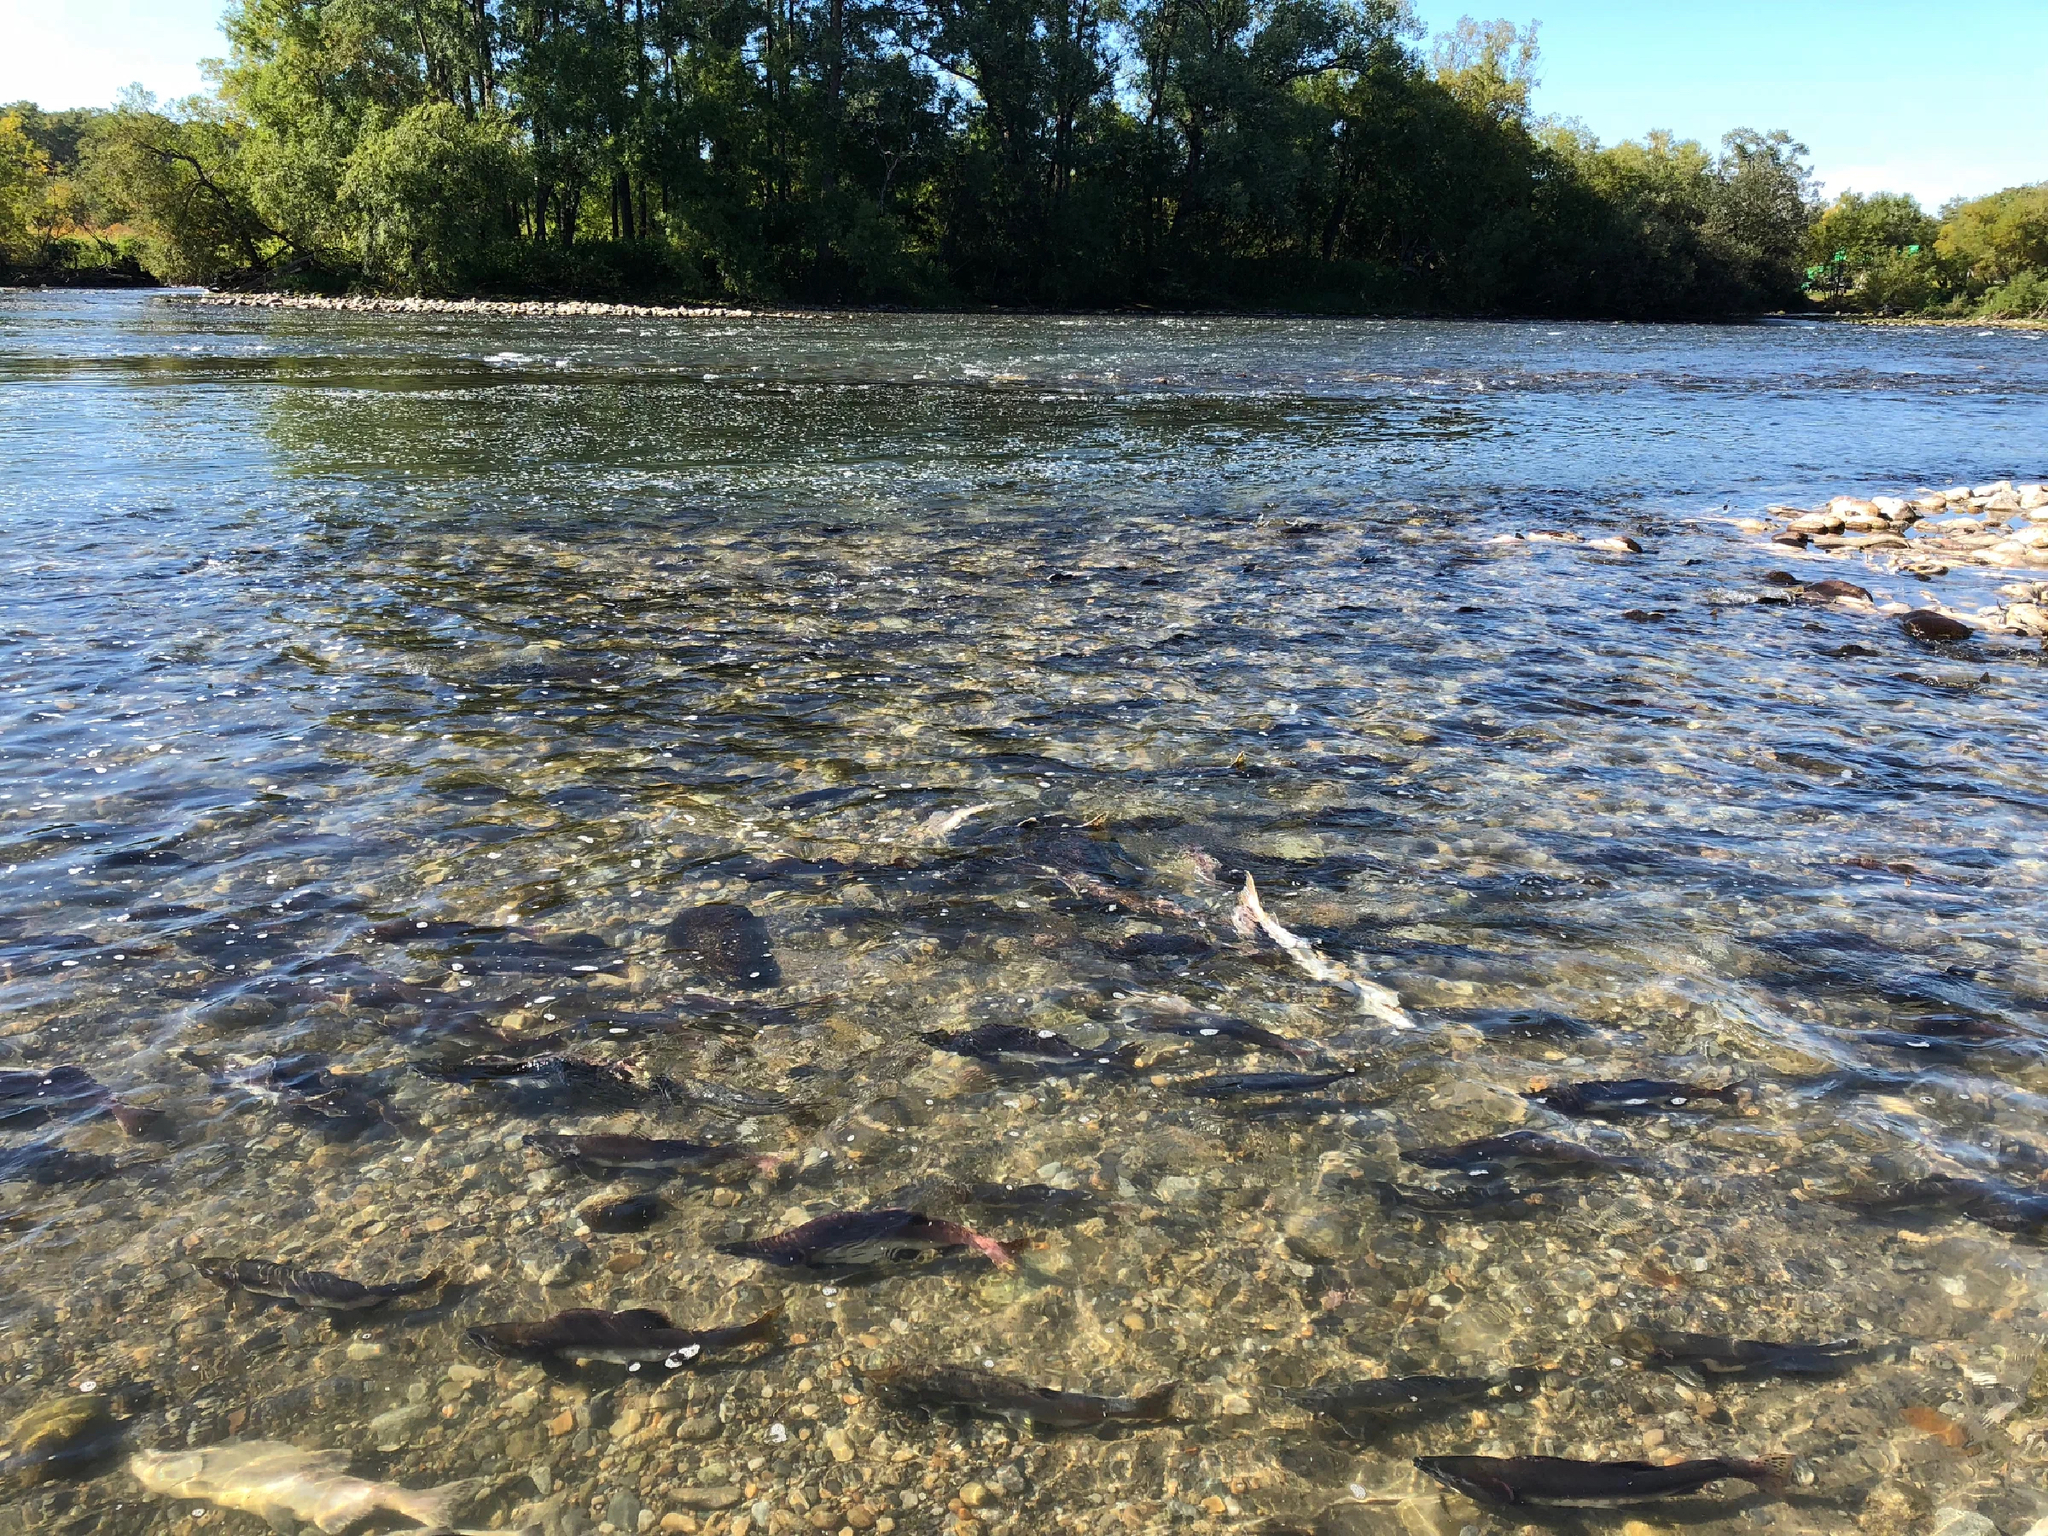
x=45, y=218
x=1985, y=257
x=1287, y=153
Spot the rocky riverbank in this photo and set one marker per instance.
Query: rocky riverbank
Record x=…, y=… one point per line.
x=1924, y=534
x=535, y=308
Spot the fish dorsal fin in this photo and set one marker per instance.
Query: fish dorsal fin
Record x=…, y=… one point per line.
x=644, y=1317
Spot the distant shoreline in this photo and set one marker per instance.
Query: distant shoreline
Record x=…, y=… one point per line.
x=544, y=308
x=1949, y=322
x=600, y=309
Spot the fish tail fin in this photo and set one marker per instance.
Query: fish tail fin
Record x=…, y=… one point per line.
x=1770, y=1473
x=434, y=1506
x=996, y=1253
x=426, y=1282
x=966, y=1237
x=767, y=1326
x=1156, y=1404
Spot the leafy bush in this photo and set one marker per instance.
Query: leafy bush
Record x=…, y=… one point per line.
x=2024, y=296
x=429, y=197
x=1899, y=283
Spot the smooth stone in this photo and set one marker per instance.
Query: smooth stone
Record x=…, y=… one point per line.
x=1791, y=536
x=1926, y=624
x=724, y=1496
x=1833, y=587
x=627, y=1213
x=2028, y=618
x=555, y=1263
x=400, y=1419
x=1621, y=544
x=1950, y=1521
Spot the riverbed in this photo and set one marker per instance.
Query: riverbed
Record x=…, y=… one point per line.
x=378, y=690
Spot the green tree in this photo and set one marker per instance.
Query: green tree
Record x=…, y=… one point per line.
x=428, y=197
x=1997, y=238
x=180, y=179
x=24, y=178
x=1489, y=68
x=1274, y=152
x=1874, y=253
x=1761, y=207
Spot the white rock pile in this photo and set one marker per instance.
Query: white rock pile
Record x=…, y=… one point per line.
x=2000, y=524
x=532, y=307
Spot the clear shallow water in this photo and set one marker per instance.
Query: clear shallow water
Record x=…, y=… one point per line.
x=315, y=624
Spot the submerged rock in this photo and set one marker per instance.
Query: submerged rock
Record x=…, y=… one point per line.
x=1834, y=588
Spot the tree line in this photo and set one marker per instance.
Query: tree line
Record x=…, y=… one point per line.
x=1981, y=258
x=1306, y=154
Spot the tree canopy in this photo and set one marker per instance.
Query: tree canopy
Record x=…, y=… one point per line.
x=1277, y=153
x=1985, y=257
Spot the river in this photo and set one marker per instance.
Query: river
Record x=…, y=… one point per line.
x=379, y=689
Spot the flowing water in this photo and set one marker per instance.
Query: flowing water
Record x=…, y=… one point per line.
x=378, y=689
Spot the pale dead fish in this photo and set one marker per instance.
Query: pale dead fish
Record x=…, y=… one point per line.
x=941, y=824
x=283, y=1484
x=1382, y=1003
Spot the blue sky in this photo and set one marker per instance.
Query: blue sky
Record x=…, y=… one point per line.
x=1936, y=101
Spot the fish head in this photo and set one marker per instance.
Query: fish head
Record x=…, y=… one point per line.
x=495, y=1338
x=1469, y=1475
x=1638, y=1343
x=166, y=1471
